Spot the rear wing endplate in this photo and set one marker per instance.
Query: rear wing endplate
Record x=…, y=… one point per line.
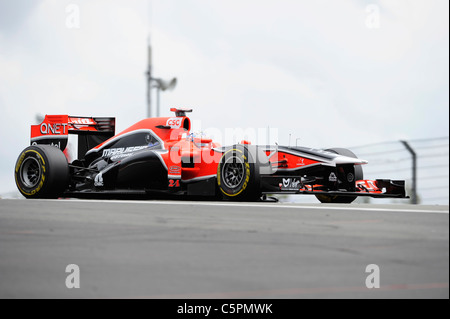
x=56, y=129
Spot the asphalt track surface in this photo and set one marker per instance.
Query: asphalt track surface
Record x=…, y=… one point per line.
x=182, y=249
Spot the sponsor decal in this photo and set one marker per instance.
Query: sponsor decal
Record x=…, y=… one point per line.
x=55, y=144
x=367, y=185
x=292, y=184
x=332, y=177
x=82, y=121
x=120, y=156
x=301, y=162
x=56, y=128
x=174, y=170
x=174, y=122
x=122, y=150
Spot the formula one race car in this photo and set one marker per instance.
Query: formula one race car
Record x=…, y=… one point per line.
x=72, y=156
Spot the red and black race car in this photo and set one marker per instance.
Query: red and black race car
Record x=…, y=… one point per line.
x=73, y=156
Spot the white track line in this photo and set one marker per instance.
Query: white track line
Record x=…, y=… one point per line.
x=270, y=205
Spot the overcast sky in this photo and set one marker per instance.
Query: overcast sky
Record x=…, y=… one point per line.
x=332, y=73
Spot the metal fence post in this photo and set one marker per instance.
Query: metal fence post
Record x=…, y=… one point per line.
x=414, y=172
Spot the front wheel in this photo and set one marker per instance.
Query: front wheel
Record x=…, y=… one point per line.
x=357, y=176
x=41, y=171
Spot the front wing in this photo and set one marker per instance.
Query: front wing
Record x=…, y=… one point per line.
x=299, y=185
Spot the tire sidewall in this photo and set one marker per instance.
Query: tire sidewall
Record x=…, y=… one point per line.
x=248, y=188
x=31, y=152
x=54, y=172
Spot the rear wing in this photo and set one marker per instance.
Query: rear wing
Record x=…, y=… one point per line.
x=86, y=132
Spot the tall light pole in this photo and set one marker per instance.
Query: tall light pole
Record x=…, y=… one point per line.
x=149, y=80
x=162, y=85
x=159, y=84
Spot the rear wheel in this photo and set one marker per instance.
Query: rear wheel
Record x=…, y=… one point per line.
x=357, y=176
x=41, y=171
x=238, y=175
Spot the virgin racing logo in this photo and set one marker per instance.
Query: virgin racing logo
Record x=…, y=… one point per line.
x=290, y=184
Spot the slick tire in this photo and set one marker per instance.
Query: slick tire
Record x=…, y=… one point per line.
x=41, y=171
x=238, y=174
x=358, y=176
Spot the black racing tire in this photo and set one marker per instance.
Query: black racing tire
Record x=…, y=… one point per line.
x=238, y=174
x=358, y=176
x=41, y=171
